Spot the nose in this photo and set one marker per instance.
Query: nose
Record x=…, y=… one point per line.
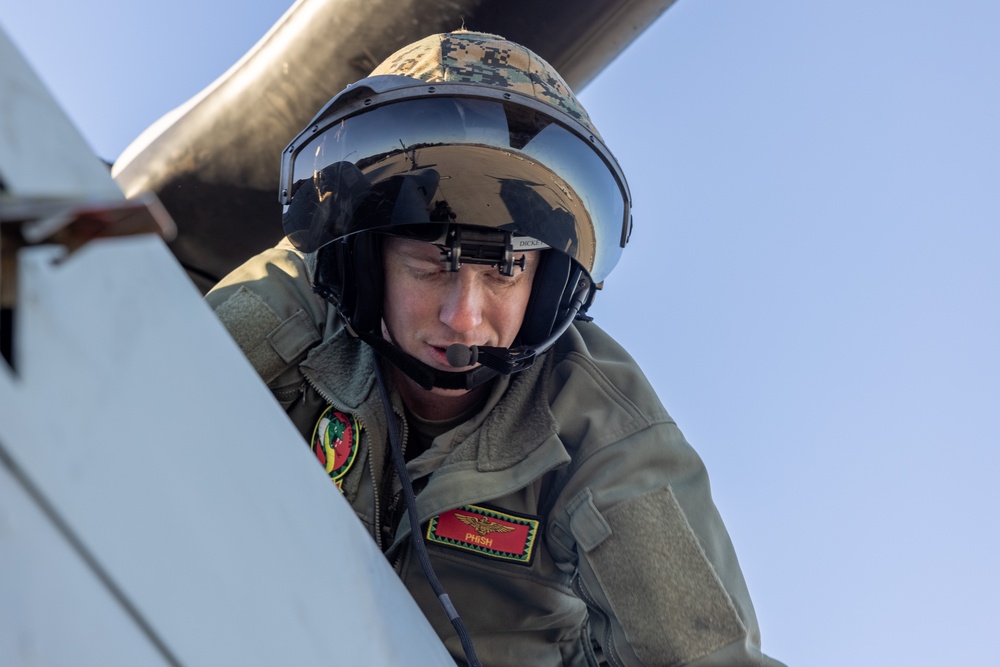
x=462, y=308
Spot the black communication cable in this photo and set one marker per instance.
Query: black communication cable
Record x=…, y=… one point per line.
x=416, y=534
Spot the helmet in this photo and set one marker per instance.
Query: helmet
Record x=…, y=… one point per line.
x=476, y=144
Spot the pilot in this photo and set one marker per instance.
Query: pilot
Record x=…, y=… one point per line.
x=448, y=222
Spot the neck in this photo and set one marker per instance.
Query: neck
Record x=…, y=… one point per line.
x=435, y=404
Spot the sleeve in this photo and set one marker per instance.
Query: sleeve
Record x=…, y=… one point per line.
x=652, y=558
x=269, y=309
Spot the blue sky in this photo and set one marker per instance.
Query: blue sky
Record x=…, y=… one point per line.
x=812, y=284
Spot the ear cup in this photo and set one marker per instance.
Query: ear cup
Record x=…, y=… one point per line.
x=545, y=304
x=580, y=287
x=351, y=269
x=331, y=268
x=369, y=280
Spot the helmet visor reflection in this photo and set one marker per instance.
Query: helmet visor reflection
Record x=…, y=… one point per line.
x=460, y=160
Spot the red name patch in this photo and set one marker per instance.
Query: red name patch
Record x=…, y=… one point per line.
x=486, y=531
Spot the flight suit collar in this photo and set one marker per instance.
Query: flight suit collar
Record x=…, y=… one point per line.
x=340, y=369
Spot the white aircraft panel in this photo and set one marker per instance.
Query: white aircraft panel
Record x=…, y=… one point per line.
x=42, y=155
x=53, y=609
x=138, y=418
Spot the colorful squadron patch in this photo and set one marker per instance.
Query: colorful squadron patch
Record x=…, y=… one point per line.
x=335, y=443
x=486, y=531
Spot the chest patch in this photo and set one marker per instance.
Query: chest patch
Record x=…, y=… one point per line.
x=486, y=531
x=335, y=443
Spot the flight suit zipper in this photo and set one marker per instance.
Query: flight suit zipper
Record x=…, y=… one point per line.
x=608, y=644
x=375, y=484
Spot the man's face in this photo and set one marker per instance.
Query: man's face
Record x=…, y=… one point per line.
x=428, y=308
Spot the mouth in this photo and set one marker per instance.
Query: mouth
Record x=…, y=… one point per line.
x=440, y=355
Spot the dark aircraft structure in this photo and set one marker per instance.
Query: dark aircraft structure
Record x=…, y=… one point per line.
x=214, y=162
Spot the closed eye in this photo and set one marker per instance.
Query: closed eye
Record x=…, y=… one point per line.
x=425, y=270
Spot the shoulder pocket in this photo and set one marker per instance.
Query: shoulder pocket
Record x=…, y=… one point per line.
x=662, y=588
x=269, y=343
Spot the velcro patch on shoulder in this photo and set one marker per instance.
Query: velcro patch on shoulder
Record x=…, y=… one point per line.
x=498, y=535
x=270, y=343
x=249, y=320
x=653, y=568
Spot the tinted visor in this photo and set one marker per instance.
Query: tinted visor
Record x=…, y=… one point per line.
x=469, y=161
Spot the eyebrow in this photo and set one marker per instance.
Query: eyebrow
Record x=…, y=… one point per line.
x=416, y=252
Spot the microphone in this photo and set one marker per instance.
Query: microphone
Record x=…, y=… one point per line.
x=460, y=356
x=507, y=361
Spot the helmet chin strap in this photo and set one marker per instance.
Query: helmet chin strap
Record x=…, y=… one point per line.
x=423, y=374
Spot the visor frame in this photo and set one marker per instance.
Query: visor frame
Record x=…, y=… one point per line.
x=382, y=90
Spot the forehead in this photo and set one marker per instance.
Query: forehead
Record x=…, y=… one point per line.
x=423, y=250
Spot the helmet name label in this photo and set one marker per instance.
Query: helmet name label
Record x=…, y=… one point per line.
x=522, y=243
